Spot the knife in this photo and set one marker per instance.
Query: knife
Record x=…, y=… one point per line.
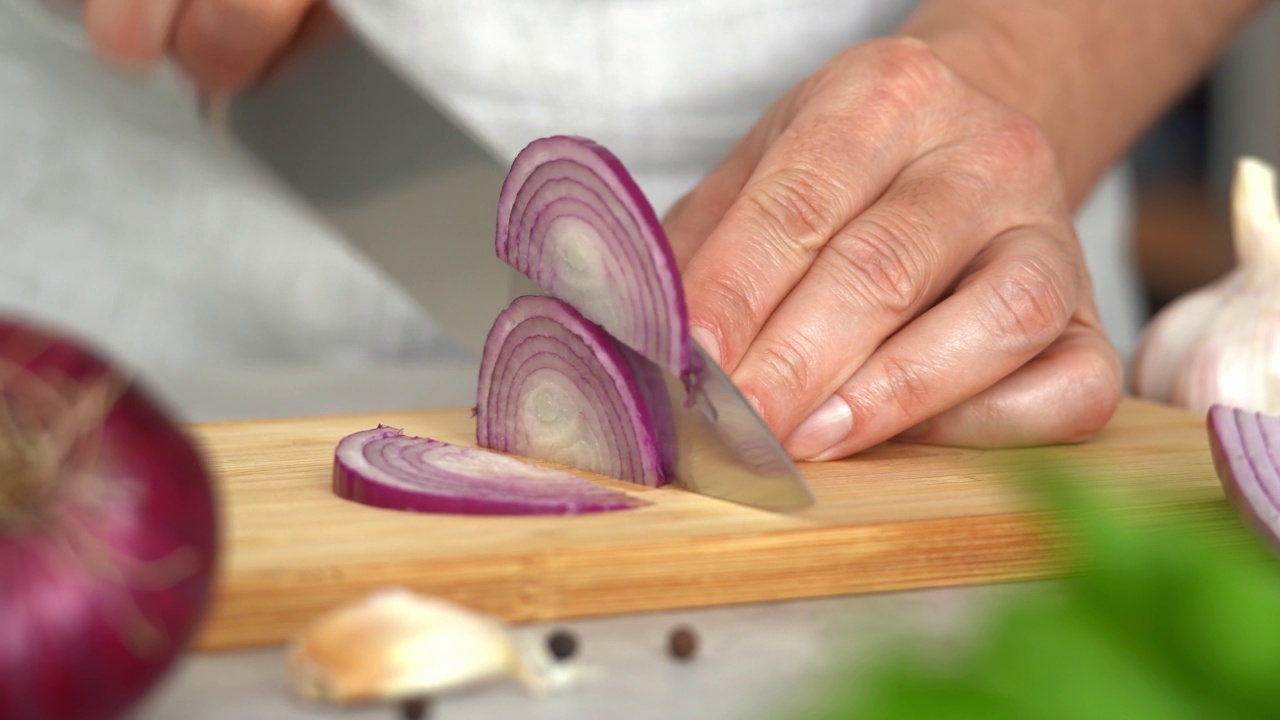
x=406, y=185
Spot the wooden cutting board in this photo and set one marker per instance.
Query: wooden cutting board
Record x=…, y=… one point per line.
x=897, y=517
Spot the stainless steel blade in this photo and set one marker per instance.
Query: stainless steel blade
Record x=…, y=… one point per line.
x=725, y=449
x=392, y=172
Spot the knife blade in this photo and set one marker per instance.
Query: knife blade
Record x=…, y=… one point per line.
x=392, y=172
x=725, y=450
x=413, y=191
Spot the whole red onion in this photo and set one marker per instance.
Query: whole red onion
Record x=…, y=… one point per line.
x=108, y=532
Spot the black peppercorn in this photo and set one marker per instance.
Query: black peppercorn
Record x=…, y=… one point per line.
x=562, y=644
x=683, y=643
x=416, y=709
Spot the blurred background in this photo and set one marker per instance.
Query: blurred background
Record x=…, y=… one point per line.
x=1183, y=166
x=66, y=124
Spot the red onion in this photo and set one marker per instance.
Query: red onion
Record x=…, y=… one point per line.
x=108, y=533
x=554, y=386
x=1246, y=455
x=385, y=468
x=571, y=218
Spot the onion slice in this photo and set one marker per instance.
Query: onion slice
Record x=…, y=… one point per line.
x=572, y=219
x=1246, y=456
x=385, y=468
x=555, y=386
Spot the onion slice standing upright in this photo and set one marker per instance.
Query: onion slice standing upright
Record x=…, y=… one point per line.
x=385, y=468
x=1246, y=455
x=572, y=219
x=555, y=386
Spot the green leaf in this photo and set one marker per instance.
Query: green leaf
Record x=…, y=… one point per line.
x=1054, y=659
x=1164, y=619
x=1225, y=630
x=905, y=688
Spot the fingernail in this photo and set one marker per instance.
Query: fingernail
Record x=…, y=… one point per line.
x=828, y=425
x=704, y=338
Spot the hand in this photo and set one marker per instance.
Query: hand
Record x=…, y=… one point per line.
x=889, y=253
x=222, y=45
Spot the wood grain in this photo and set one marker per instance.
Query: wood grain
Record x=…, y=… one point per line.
x=897, y=517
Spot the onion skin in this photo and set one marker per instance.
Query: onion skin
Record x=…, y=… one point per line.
x=384, y=468
x=103, y=583
x=555, y=386
x=573, y=220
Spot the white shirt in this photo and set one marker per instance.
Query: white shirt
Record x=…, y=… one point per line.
x=670, y=85
x=124, y=223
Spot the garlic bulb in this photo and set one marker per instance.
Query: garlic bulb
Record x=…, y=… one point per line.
x=1221, y=343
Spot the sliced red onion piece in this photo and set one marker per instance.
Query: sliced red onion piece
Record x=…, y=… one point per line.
x=1246, y=455
x=572, y=219
x=385, y=468
x=555, y=386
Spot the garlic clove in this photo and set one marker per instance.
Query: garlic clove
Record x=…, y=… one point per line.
x=394, y=644
x=1170, y=340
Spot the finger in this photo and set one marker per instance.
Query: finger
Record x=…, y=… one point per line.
x=812, y=180
x=880, y=271
x=131, y=33
x=692, y=218
x=224, y=45
x=1079, y=376
x=320, y=28
x=1019, y=298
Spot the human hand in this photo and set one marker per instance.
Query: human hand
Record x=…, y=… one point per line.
x=889, y=252
x=222, y=45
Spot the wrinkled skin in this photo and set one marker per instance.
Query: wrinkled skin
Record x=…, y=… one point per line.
x=889, y=252
x=891, y=237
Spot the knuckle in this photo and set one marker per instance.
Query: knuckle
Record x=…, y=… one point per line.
x=797, y=207
x=1022, y=148
x=786, y=361
x=730, y=299
x=911, y=73
x=906, y=387
x=885, y=265
x=1029, y=308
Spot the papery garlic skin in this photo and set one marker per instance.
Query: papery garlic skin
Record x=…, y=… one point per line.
x=1238, y=361
x=1170, y=339
x=1221, y=343
x=394, y=644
